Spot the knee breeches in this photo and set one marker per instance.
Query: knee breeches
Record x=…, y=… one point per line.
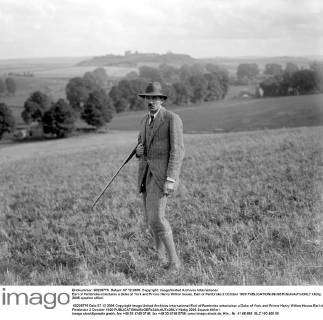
x=155, y=205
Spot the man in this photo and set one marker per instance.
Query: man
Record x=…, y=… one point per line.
x=160, y=151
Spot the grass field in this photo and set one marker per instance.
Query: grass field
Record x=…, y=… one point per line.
x=247, y=212
x=238, y=115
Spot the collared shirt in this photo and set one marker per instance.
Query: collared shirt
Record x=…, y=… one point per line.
x=154, y=116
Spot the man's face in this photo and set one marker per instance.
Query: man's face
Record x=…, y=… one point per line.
x=153, y=103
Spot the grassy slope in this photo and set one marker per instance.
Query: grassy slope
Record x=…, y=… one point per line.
x=238, y=115
x=246, y=213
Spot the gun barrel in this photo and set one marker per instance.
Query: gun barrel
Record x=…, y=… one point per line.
x=114, y=176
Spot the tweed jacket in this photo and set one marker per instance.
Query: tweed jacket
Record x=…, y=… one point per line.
x=163, y=148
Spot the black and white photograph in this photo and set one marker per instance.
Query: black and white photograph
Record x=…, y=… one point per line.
x=161, y=143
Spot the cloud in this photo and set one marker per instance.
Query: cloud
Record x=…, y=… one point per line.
x=253, y=19
x=85, y=27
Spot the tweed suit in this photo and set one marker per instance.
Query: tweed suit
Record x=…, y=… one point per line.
x=164, y=148
x=162, y=159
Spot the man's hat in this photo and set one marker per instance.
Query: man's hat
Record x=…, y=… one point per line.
x=153, y=89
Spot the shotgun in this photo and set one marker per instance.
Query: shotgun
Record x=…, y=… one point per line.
x=108, y=184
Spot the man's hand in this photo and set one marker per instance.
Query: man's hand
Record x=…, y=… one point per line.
x=140, y=150
x=169, y=187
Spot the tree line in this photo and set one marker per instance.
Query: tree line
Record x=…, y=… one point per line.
x=247, y=72
x=187, y=84
x=279, y=81
x=293, y=81
x=92, y=99
x=7, y=86
x=250, y=71
x=86, y=99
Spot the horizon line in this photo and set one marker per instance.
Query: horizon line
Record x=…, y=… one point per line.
x=200, y=58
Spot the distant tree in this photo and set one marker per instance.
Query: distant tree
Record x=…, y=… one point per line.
x=185, y=72
x=271, y=87
x=149, y=73
x=213, y=68
x=101, y=77
x=182, y=93
x=78, y=90
x=285, y=85
x=304, y=81
x=125, y=94
x=121, y=94
x=273, y=69
x=59, y=119
x=197, y=69
x=131, y=75
x=170, y=92
x=120, y=103
x=247, y=71
x=317, y=68
x=98, y=109
x=7, y=121
x=223, y=76
x=290, y=68
x=89, y=80
x=137, y=86
x=216, y=86
x=2, y=87
x=11, y=85
x=169, y=74
x=35, y=107
x=96, y=79
x=198, y=87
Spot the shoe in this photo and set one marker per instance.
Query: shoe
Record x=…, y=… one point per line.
x=160, y=258
x=173, y=266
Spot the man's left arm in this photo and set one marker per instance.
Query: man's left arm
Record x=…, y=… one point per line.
x=176, y=152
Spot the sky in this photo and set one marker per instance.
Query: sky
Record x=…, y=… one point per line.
x=201, y=28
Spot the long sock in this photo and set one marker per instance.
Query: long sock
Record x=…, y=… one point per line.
x=170, y=247
x=159, y=244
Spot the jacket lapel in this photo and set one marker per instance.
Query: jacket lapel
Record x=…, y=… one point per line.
x=143, y=130
x=157, y=123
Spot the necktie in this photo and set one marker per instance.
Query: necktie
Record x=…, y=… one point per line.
x=151, y=120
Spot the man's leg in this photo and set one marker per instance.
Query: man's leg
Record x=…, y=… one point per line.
x=156, y=206
x=148, y=215
x=144, y=200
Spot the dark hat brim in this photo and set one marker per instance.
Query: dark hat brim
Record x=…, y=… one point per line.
x=143, y=95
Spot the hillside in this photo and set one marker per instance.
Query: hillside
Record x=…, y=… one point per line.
x=241, y=115
x=246, y=213
x=135, y=59
x=37, y=64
